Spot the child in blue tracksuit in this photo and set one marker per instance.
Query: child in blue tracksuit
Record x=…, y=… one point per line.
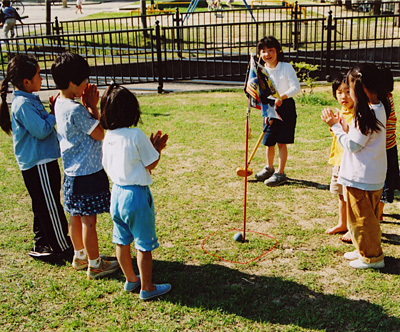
x=36, y=150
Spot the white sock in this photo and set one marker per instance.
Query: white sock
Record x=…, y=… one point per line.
x=95, y=262
x=81, y=254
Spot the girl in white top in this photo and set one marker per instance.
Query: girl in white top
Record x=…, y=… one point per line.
x=363, y=166
x=276, y=131
x=128, y=157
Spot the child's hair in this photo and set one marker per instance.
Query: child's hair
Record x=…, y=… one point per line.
x=119, y=108
x=19, y=68
x=6, y=3
x=69, y=67
x=367, y=76
x=270, y=42
x=388, y=80
x=337, y=82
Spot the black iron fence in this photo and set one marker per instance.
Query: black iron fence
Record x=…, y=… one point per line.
x=117, y=49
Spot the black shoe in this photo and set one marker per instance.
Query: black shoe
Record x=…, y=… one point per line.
x=40, y=252
x=65, y=255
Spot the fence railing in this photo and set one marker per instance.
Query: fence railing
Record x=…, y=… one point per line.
x=281, y=11
x=117, y=50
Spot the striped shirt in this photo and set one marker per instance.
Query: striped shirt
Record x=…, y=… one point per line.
x=391, y=125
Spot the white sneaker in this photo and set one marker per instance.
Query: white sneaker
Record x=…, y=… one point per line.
x=353, y=255
x=359, y=264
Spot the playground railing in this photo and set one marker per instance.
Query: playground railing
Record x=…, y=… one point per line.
x=218, y=51
x=281, y=10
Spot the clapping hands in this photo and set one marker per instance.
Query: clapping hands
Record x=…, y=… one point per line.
x=159, y=141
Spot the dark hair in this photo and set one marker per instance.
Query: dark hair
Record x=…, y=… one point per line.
x=69, y=67
x=387, y=80
x=19, y=68
x=270, y=42
x=337, y=82
x=6, y=3
x=119, y=108
x=367, y=76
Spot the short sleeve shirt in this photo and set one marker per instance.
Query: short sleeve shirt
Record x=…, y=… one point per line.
x=81, y=154
x=127, y=152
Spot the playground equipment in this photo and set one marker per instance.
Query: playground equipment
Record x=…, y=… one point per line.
x=193, y=4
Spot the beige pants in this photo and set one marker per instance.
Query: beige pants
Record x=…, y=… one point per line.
x=363, y=223
x=9, y=27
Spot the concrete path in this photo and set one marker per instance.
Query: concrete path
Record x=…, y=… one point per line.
x=37, y=12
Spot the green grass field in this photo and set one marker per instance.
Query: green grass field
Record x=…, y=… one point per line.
x=304, y=284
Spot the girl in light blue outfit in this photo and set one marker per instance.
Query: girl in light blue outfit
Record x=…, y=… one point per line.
x=36, y=150
x=128, y=157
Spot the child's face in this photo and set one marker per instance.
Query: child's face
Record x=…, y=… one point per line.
x=79, y=89
x=35, y=83
x=269, y=56
x=343, y=95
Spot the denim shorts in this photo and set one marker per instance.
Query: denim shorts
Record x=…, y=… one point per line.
x=132, y=210
x=86, y=195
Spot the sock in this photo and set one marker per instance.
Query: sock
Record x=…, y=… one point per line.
x=81, y=254
x=95, y=262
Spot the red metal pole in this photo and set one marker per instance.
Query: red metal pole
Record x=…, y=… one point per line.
x=245, y=170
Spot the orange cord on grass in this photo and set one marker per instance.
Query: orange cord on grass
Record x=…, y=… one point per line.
x=243, y=263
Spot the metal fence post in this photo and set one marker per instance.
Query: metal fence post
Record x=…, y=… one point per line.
x=159, y=59
x=177, y=19
x=329, y=29
x=48, y=17
x=296, y=26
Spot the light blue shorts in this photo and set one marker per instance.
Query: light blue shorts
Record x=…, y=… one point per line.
x=132, y=211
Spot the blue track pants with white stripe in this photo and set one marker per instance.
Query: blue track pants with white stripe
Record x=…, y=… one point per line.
x=49, y=223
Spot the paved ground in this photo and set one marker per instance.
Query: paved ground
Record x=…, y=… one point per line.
x=151, y=88
x=37, y=12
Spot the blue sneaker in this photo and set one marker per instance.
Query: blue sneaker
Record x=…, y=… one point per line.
x=131, y=286
x=160, y=290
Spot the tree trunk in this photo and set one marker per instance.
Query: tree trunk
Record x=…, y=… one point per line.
x=347, y=3
x=64, y=4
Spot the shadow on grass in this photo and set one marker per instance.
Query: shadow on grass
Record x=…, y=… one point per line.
x=300, y=183
x=394, y=216
x=305, y=183
x=391, y=238
x=269, y=299
x=392, y=266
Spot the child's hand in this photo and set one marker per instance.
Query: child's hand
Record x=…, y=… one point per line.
x=278, y=103
x=329, y=117
x=52, y=102
x=90, y=96
x=159, y=141
x=268, y=121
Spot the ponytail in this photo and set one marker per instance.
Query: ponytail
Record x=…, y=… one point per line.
x=19, y=68
x=365, y=76
x=5, y=121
